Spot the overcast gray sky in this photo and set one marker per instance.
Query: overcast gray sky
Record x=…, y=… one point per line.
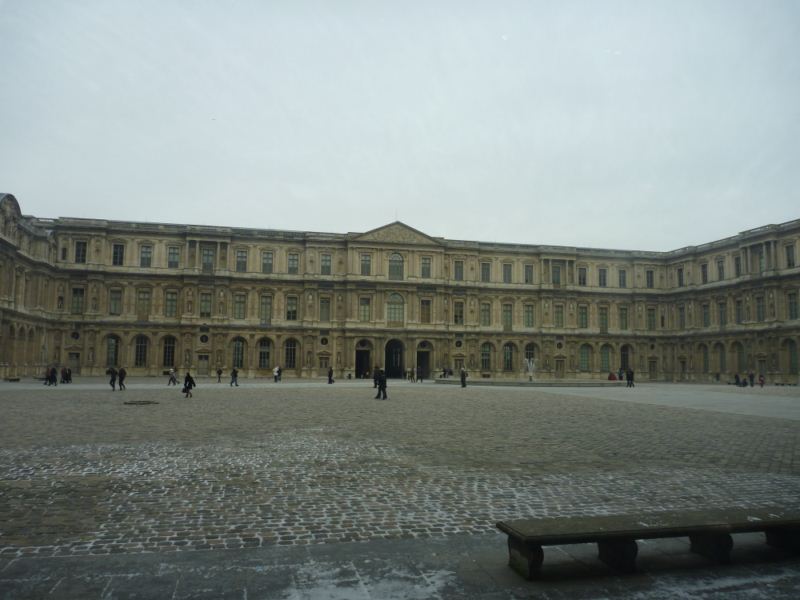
x=642, y=125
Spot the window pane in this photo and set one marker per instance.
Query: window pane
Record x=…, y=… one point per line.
x=291, y=308
x=171, y=304
x=294, y=263
x=366, y=264
x=145, y=256
x=395, y=266
x=324, y=309
x=265, y=310
x=115, y=302
x=458, y=270
x=425, y=311
x=239, y=306
x=241, y=261
x=506, y=273
x=266, y=262
x=364, y=309
x=486, y=271
x=173, y=257
x=325, y=264
x=486, y=314
x=118, y=255
x=80, y=252
x=528, y=273
x=425, y=270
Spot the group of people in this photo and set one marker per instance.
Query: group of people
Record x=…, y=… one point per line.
x=117, y=378
x=749, y=378
x=627, y=373
x=415, y=374
x=51, y=376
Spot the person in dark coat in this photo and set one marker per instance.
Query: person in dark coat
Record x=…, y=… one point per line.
x=235, y=377
x=112, y=372
x=376, y=375
x=219, y=375
x=381, y=385
x=629, y=377
x=330, y=374
x=188, y=384
x=463, y=377
x=122, y=375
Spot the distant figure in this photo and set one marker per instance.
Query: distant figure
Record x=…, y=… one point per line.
x=188, y=384
x=376, y=375
x=629, y=377
x=330, y=374
x=69, y=375
x=761, y=379
x=612, y=377
x=112, y=372
x=280, y=373
x=619, y=373
x=752, y=377
x=219, y=375
x=234, y=377
x=419, y=374
x=276, y=373
x=172, y=379
x=47, y=376
x=381, y=385
x=463, y=377
x=737, y=381
x=63, y=375
x=444, y=372
x=122, y=375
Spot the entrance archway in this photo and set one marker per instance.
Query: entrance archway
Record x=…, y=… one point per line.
x=394, y=359
x=363, y=359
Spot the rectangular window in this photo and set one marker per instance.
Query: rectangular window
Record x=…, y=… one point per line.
x=581, y=275
x=789, y=256
x=366, y=264
x=583, y=316
x=720, y=270
x=760, y=313
x=425, y=267
x=115, y=302
x=559, y=315
x=506, y=273
x=528, y=273
x=173, y=257
x=239, y=306
x=241, y=261
x=325, y=264
x=294, y=263
x=364, y=310
x=651, y=319
x=458, y=312
x=527, y=315
x=681, y=317
x=265, y=310
x=324, y=309
x=556, y=275
x=171, y=303
x=722, y=313
x=266, y=262
x=291, y=308
x=205, y=304
x=458, y=270
x=704, y=273
x=486, y=314
x=64, y=253
x=145, y=256
x=80, y=252
x=425, y=311
x=602, y=316
x=623, y=278
x=680, y=277
x=738, y=310
x=207, y=259
x=508, y=316
x=706, y=315
x=118, y=255
x=737, y=266
x=791, y=306
x=486, y=272
x=143, y=302
x=602, y=277
x=77, y=301
x=649, y=279
x=623, y=317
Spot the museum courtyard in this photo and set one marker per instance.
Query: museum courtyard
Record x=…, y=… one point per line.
x=305, y=490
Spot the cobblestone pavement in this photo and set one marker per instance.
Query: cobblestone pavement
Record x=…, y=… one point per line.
x=266, y=466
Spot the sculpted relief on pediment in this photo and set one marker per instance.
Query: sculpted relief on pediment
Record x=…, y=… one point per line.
x=396, y=233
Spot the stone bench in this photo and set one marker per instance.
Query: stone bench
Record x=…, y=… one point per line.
x=709, y=532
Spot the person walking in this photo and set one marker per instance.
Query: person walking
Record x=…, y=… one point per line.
x=330, y=374
x=188, y=384
x=112, y=373
x=463, y=377
x=381, y=385
x=172, y=379
x=376, y=375
x=276, y=373
x=219, y=375
x=122, y=375
x=419, y=376
x=234, y=377
x=629, y=377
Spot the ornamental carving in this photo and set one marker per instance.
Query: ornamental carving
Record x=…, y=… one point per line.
x=396, y=233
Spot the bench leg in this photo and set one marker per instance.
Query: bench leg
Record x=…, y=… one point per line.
x=619, y=554
x=785, y=538
x=714, y=546
x=525, y=559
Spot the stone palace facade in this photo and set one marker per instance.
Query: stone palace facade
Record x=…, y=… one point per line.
x=88, y=293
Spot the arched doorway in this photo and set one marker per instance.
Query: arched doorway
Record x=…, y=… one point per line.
x=363, y=359
x=394, y=365
x=626, y=357
x=424, y=359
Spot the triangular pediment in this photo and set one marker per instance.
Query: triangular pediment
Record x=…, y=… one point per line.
x=396, y=233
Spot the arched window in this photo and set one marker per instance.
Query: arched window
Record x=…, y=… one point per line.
x=112, y=351
x=486, y=356
x=741, y=358
x=394, y=309
x=290, y=354
x=625, y=357
x=395, y=266
x=508, y=357
x=722, y=361
x=530, y=351
x=238, y=353
x=140, y=351
x=264, y=348
x=584, y=357
x=605, y=359
x=169, y=351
